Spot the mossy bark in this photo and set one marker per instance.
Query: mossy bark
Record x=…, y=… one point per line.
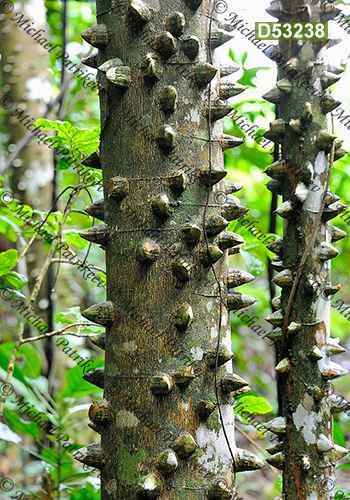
x=156, y=271
x=303, y=388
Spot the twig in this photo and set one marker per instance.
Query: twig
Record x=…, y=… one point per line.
x=10, y=368
x=66, y=261
x=59, y=332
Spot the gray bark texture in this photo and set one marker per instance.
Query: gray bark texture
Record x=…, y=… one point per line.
x=166, y=207
x=307, y=453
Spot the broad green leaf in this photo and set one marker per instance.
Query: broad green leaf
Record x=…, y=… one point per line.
x=73, y=238
x=62, y=164
x=338, y=434
x=19, y=425
x=5, y=352
x=76, y=386
x=7, y=260
x=13, y=280
x=253, y=404
x=32, y=366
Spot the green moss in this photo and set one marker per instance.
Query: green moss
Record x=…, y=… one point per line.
x=128, y=470
x=213, y=423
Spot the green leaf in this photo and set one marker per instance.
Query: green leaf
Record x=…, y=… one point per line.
x=73, y=237
x=18, y=425
x=7, y=260
x=338, y=434
x=32, y=366
x=5, y=352
x=76, y=386
x=13, y=280
x=253, y=404
x=62, y=164
x=249, y=75
x=253, y=264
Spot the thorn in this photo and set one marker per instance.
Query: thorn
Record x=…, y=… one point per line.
x=90, y=454
x=278, y=126
x=284, y=279
x=325, y=140
x=275, y=335
x=190, y=46
x=96, y=377
x=213, y=175
x=178, y=182
x=96, y=234
x=165, y=44
x=337, y=234
x=228, y=240
x=293, y=327
x=307, y=116
x=276, y=246
x=276, y=448
x=329, y=79
x=233, y=211
x=90, y=61
x=331, y=290
x=295, y=125
x=285, y=85
x=99, y=340
x=315, y=353
x=277, y=425
x=277, y=460
x=193, y=4
x=210, y=255
x=169, y=99
x=150, y=67
x=323, y=444
x=183, y=316
x=277, y=265
x=219, y=109
x=166, y=137
x=205, y=409
x=332, y=211
x=232, y=187
x=160, y=206
x=277, y=302
x=92, y=161
x=229, y=142
x=176, y=24
x=161, y=385
x=102, y=313
x=204, y=73
x=341, y=451
x=231, y=382
x=283, y=366
x=339, y=153
x=215, y=224
x=148, y=251
x=275, y=187
x=274, y=95
x=237, y=301
x=285, y=210
x=238, y=277
x=116, y=72
x=275, y=9
x=96, y=209
x=139, y=12
x=191, y=234
x=167, y=462
x=326, y=251
x=118, y=188
x=246, y=461
x=333, y=371
x=224, y=355
x=97, y=36
x=218, y=491
x=184, y=376
x=229, y=89
x=226, y=69
x=329, y=105
x=100, y=412
x=184, y=445
x=333, y=348
x=338, y=405
x=182, y=269
x=276, y=171
x=219, y=37
x=150, y=486
x=276, y=318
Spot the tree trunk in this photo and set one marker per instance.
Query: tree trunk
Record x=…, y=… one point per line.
x=307, y=455
x=168, y=345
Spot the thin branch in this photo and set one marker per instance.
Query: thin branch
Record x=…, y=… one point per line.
x=66, y=261
x=5, y=388
x=59, y=332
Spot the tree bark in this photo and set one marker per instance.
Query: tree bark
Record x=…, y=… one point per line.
x=167, y=310
x=307, y=455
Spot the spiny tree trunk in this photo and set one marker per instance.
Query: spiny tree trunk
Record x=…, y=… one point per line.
x=162, y=433
x=307, y=455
